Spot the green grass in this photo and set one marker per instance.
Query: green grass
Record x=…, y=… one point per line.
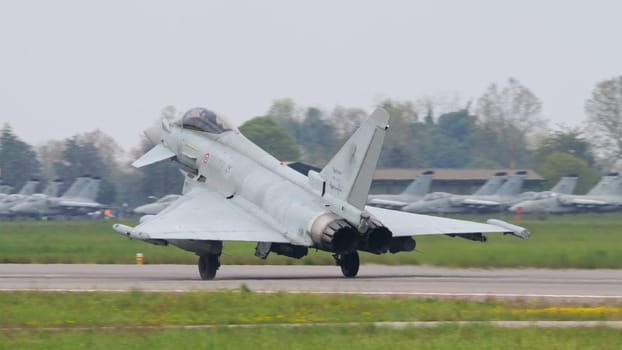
x=581, y=241
x=83, y=316
x=56, y=309
x=313, y=338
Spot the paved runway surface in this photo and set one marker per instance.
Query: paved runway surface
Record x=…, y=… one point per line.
x=416, y=281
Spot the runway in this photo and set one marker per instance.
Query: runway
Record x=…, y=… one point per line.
x=413, y=281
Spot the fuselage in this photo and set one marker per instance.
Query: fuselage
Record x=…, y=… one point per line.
x=235, y=167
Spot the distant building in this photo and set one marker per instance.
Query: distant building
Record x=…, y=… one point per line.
x=459, y=181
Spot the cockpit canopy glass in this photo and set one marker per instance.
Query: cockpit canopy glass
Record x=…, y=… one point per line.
x=203, y=119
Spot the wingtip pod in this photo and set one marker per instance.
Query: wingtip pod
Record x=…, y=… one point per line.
x=122, y=229
x=515, y=230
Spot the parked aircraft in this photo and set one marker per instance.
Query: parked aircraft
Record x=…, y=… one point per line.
x=481, y=201
x=156, y=206
x=79, y=199
x=415, y=191
x=565, y=185
x=235, y=191
x=13, y=199
x=605, y=196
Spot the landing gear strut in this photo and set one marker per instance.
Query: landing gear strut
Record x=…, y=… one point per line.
x=349, y=263
x=208, y=265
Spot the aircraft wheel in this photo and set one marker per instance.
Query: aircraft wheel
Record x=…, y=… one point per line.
x=208, y=265
x=349, y=264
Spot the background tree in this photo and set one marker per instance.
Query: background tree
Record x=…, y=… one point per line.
x=272, y=137
x=565, y=152
x=604, y=121
x=512, y=113
x=554, y=165
x=82, y=158
x=18, y=161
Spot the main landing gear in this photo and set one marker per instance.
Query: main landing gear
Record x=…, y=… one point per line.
x=208, y=265
x=349, y=263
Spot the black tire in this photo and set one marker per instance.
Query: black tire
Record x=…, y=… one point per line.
x=349, y=264
x=208, y=265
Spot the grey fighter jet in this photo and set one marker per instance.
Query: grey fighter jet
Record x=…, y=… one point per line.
x=565, y=185
x=14, y=199
x=414, y=192
x=235, y=191
x=79, y=199
x=605, y=196
x=491, y=197
x=156, y=206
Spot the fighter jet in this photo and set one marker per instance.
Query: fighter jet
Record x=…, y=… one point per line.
x=565, y=185
x=605, y=196
x=13, y=199
x=414, y=192
x=79, y=199
x=156, y=206
x=235, y=191
x=491, y=197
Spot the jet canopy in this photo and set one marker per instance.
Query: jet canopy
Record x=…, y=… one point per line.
x=202, y=119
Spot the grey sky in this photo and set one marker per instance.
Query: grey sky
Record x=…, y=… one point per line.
x=68, y=67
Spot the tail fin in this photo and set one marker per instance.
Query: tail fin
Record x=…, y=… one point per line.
x=349, y=173
x=420, y=185
x=90, y=190
x=53, y=188
x=565, y=185
x=76, y=187
x=607, y=185
x=513, y=186
x=492, y=184
x=29, y=187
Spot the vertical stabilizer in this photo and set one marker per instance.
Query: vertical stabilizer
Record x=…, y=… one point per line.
x=29, y=187
x=513, y=186
x=492, y=185
x=420, y=185
x=565, y=185
x=606, y=186
x=90, y=190
x=349, y=173
x=76, y=187
x=53, y=188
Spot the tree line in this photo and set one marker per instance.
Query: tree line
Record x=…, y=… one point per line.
x=504, y=128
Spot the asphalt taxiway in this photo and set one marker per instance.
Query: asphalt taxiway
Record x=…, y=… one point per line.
x=414, y=281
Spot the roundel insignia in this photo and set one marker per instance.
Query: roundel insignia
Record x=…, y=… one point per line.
x=206, y=158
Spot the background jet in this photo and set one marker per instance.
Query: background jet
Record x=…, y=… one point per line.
x=236, y=191
x=605, y=196
x=14, y=199
x=79, y=199
x=415, y=191
x=51, y=190
x=157, y=206
x=565, y=185
x=492, y=196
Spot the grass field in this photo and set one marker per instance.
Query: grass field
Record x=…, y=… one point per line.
x=81, y=320
x=582, y=241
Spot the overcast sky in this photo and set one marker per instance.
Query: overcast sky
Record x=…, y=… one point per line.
x=68, y=67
